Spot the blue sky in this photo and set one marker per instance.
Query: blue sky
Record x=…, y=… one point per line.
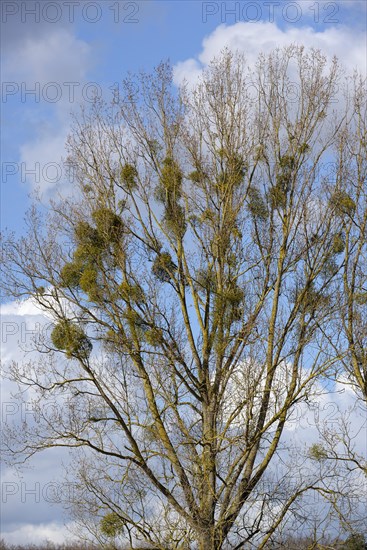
x=66, y=50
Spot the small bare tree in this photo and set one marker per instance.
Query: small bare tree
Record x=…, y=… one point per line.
x=193, y=310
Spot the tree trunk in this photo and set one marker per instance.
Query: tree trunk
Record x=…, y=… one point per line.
x=207, y=541
x=207, y=544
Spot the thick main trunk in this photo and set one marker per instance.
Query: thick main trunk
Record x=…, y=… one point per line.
x=208, y=542
x=207, y=545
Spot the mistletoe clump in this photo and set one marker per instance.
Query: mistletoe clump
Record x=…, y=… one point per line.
x=279, y=192
x=89, y=284
x=304, y=148
x=312, y=300
x=86, y=234
x=71, y=338
x=342, y=203
x=256, y=204
x=174, y=219
x=170, y=181
x=82, y=275
x=112, y=525
x=128, y=176
x=237, y=168
x=361, y=298
x=338, y=243
x=229, y=302
x=90, y=243
x=70, y=275
x=153, y=336
x=131, y=292
x=317, y=452
x=169, y=192
x=164, y=267
x=197, y=176
x=109, y=225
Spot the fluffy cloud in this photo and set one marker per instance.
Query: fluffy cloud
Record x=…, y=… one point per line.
x=54, y=57
x=47, y=74
x=20, y=323
x=42, y=160
x=24, y=307
x=31, y=498
x=252, y=38
x=36, y=534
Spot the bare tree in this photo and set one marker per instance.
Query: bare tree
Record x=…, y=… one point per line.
x=352, y=166
x=340, y=442
x=194, y=308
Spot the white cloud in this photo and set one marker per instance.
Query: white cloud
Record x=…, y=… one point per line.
x=255, y=37
x=22, y=308
x=32, y=511
x=48, y=74
x=36, y=534
x=41, y=160
x=55, y=57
